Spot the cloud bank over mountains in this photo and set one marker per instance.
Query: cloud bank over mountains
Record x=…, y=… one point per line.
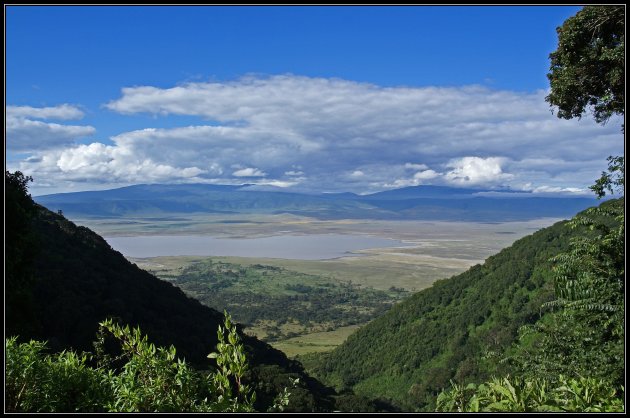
x=318, y=134
x=25, y=133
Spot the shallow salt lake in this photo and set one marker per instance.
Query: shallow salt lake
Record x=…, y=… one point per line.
x=295, y=247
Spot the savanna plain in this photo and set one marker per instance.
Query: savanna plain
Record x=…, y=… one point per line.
x=312, y=300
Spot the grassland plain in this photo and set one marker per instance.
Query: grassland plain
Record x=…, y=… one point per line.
x=434, y=250
x=275, y=303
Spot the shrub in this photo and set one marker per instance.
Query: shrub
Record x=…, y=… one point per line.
x=152, y=379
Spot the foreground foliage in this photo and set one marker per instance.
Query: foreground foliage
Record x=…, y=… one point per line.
x=152, y=379
x=536, y=395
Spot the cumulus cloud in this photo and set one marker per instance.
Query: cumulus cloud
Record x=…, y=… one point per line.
x=476, y=170
x=95, y=165
x=336, y=135
x=417, y=179
x=426, y=175
x=23, y=134
x=249, y=172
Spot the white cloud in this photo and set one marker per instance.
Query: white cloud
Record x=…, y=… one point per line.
x=282, y=127
x=556, y=190
x=249, y=172
x=279, y=183
x=90, y=164
x=23, y=134
x=411, y=166
x=426, y=175
x=476, y=170
x=63, y=112
x=86, y=157
x=418, y=178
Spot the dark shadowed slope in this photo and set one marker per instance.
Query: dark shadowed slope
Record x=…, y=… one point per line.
x=64, y=279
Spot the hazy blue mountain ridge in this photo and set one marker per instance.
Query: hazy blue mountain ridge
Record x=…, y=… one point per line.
x=417, y=202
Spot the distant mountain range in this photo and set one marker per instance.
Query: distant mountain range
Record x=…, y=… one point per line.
x=417, y=203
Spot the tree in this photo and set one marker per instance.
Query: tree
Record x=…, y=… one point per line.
x=588, y=68
x=613, y=180
x=20, y=250
x=585, y=337
x=19, y=209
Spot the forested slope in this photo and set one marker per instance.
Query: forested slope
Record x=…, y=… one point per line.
x=457, y=329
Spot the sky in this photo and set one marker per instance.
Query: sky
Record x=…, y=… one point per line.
x=295, y=98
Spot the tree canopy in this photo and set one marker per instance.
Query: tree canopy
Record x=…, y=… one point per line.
x=588, y=68
x=20, y=249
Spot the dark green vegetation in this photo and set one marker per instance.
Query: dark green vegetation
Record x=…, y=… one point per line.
x=418, y=202
x=462, y=328
x=435, y=335
x=62, y=280
x=19, y=253
x=151, y=380
x=588, y=68
x=564, y=394
x=573, y=358
x=585, y=330
x=268, y=297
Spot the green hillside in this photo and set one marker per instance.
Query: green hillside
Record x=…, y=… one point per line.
x=62, y=280
x=457, y=329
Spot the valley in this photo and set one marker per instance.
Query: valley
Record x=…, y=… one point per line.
x=301, y=271
x=375, y=278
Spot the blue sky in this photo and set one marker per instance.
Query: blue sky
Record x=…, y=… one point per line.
x=305, y=98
